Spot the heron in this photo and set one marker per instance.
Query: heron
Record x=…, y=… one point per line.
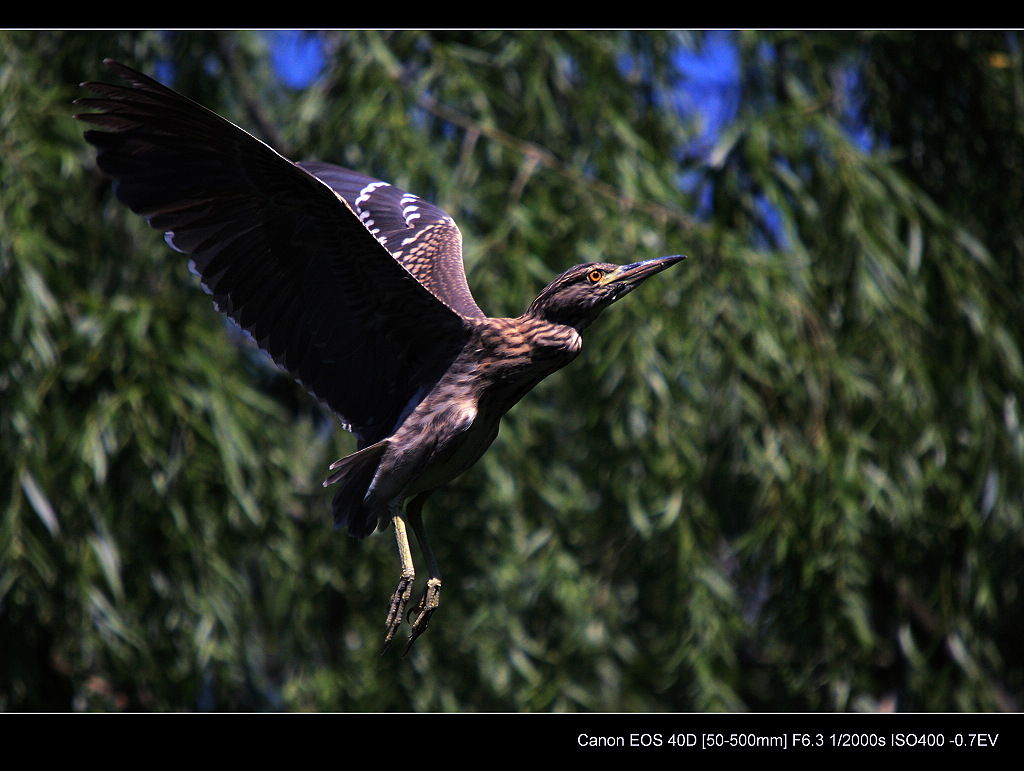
x=358, y=290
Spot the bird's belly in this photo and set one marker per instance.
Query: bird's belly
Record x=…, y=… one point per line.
x=458, y=420
x=450, y=461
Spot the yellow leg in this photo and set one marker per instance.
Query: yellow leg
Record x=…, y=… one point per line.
x=432, y=592
x=396, y=608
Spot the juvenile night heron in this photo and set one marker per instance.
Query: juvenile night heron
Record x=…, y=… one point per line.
x=358, y=290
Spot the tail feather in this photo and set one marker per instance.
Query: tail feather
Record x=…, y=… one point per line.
x=355, y=473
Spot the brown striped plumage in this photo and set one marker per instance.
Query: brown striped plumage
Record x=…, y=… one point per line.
x=356, y=288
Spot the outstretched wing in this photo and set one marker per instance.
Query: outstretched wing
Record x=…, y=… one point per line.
x=280, y=252
x=420, y=235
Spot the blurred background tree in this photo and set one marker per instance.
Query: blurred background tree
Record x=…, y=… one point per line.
x=788, y=475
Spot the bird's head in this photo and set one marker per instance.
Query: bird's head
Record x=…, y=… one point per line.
x=579, y=295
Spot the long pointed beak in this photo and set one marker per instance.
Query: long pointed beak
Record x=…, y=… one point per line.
x=635, y=272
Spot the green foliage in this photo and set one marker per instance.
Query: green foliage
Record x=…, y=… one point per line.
x=787, y=474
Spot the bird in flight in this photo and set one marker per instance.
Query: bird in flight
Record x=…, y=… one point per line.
x=358, y=290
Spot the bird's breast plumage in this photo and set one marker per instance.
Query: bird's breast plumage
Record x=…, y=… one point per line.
x=503, y=360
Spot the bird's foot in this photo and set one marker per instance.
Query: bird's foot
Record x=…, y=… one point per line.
x=424, y=610
x=396, y=609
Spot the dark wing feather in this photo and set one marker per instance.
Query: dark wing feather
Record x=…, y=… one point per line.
x=279, y=251
x=420, y=235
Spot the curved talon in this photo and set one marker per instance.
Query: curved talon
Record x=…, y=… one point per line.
x=396, y=609
x=425, y=608
x=431, y=596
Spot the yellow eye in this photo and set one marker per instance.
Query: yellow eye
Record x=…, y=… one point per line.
x=595, y=276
